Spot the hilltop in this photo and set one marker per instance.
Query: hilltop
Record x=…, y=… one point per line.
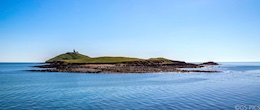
x=67, y=56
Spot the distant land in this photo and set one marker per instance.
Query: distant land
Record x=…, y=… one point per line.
x=79, y=63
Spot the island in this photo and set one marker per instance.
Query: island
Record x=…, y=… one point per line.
x=79, y=63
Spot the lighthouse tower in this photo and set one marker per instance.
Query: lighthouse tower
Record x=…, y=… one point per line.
x=74, y=51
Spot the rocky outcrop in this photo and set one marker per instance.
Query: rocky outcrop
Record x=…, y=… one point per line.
x=147, y=66
x=209, y=63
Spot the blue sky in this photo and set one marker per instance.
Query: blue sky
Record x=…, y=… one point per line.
x=189, y=30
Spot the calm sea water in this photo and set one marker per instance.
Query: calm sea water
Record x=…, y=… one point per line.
x=237, y=85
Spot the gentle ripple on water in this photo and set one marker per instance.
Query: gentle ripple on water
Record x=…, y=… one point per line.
x=27, y=90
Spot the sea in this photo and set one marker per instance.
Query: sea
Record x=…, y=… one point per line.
x=236, y=87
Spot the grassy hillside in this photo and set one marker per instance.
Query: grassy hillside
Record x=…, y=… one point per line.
x=67, y=56
x=160, y=60
x=72, y=57
x=104, y=60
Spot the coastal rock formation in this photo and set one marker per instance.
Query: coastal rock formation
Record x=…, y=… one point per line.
x=126, y=67
x=209, y=63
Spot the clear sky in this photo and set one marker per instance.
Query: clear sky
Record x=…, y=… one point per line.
x=189, y=30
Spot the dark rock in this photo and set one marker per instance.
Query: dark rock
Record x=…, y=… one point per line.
x=209, y=63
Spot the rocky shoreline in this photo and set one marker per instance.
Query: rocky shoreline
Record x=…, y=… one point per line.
x=124, y=67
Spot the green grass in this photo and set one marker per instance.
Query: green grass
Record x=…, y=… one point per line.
x=159, y=58
x=104, y=60
x=71, y=57
x=68, y=56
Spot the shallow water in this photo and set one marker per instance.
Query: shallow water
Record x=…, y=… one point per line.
x=238, y=84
